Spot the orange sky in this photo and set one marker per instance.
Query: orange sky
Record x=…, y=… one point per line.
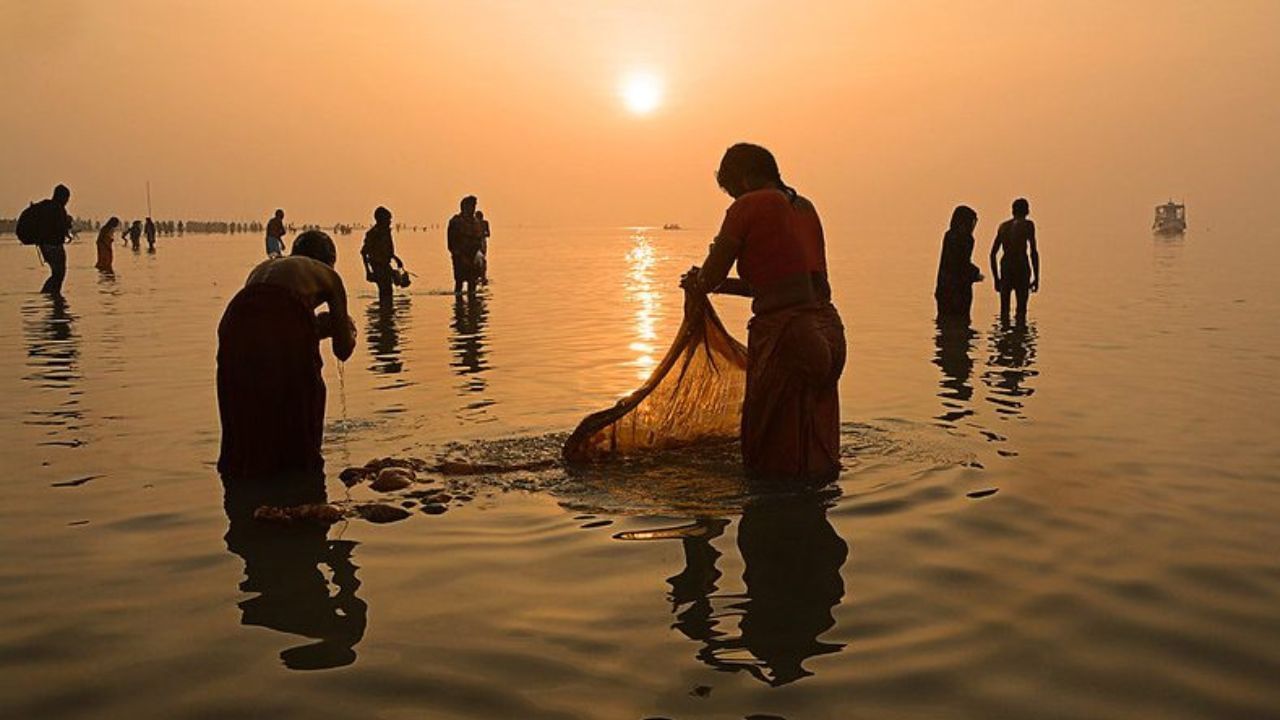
x=878, y=110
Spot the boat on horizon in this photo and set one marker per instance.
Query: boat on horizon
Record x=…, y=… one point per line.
x=1171, y=219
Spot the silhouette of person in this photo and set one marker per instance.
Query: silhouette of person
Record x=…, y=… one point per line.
x=271, y=394
x=106, y=239
x=953, y=290
x=54, y=233
x=482, y=259
x=378, y=251
x=795, y=341
x=792, y=558
x=275, y=235
x=1015, y=275
x=282, y=565
x=150, y=230
x=465, y=241
x=135, y=234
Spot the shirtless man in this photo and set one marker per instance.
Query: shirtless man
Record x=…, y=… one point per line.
x=271, y=395
x=275, y=235
x=1013, y=274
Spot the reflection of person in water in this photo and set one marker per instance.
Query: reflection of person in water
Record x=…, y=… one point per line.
x=385, y=319
x=954, y=343
x=1012, y=362
x=282, y=564
x=467, y=341
x=792, y=558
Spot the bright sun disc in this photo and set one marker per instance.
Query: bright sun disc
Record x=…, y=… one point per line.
x=641, y=92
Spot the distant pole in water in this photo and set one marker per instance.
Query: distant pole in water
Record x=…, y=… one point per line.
x=149, y=199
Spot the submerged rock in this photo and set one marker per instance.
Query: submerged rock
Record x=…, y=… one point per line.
x=379, y=513
x=353, y=476
x=433, y=509
x=393, y=478
x=320, y=513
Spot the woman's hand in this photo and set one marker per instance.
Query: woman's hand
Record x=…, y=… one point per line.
x=689, y=280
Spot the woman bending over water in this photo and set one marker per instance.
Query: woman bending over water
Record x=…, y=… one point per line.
x=106, y=237
x=795, y=340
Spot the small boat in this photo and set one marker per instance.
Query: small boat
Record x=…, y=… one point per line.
x=1171, y=219
x=672, y=226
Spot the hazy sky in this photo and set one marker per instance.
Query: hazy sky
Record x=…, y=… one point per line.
x=878, y=110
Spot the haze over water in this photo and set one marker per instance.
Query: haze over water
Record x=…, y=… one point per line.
x=1075, y=519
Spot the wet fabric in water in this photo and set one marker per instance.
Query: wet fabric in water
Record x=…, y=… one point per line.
x=693, y=396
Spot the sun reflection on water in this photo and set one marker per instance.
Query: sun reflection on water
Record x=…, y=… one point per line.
x=642, y=291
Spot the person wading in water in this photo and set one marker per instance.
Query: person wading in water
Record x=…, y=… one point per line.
x=271, y=395
x=956, y=271
x=1015, y=275
x=106, y=239
x=378, y=251
x=465, y=238
x=795, y=343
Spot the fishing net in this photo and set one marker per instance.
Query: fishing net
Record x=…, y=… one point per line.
x=693, y=396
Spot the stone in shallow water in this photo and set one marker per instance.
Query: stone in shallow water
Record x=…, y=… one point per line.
x=379, y=513
x=322, y=513
x=393, y=478
x=353, y=476
x=433, y=509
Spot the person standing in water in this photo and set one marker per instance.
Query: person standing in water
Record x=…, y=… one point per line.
x=464, y=239
x=135, y=234
x=795, y=343
x=47, y=225
x=271, y=394
x=275, y=235
x=106, y=238
x=482, y=259
x=956, y=271
x=378, y=251
x=1015, y=275
x=150, y=230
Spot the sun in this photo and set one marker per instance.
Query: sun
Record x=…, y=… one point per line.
x=641, y=92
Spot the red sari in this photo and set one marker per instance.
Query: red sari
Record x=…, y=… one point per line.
x=795, y=346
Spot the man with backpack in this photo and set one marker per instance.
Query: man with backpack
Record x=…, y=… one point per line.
x=47, y=225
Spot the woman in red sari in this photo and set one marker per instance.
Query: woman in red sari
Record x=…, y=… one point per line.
x=795, y=340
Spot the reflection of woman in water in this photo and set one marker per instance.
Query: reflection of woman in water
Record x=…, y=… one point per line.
x=282, y=564
x=106, y=236
x=791, y=568
x=795, y=341
x=956, y=271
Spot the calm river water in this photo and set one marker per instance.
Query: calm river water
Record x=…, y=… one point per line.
x=1124, y=567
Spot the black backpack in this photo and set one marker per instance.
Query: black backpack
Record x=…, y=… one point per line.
x=42, y=223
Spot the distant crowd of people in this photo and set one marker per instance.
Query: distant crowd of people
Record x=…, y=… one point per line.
x=271, y=395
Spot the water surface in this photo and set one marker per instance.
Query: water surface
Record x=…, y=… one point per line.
x=1071, y=519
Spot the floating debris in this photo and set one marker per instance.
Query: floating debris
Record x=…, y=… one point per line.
x=982, y=493
x=75, y=483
